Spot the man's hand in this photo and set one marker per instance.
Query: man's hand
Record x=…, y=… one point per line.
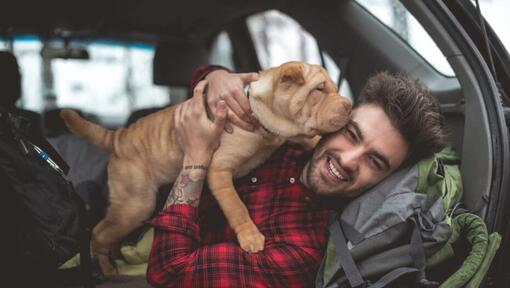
x=229, y=87
x=196, y=134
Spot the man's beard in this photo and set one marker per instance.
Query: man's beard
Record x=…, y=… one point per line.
x=313, y=177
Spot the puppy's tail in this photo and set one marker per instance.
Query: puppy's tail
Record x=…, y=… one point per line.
x=101, y=137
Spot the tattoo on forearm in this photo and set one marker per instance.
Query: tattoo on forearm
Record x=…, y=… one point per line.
x=188, y=186
x=200, y=166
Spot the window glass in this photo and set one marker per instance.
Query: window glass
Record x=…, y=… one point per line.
x=116, y=80
x=222, y=52
x=334, y=73
x=394, y=15
x=278, y=39
x=495, y=12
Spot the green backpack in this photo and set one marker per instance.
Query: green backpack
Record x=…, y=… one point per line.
x=391, y=234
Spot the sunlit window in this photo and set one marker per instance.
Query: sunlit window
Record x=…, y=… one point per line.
x=222, y=52
x=278, y=39
x=116, y=80
x=394, y=15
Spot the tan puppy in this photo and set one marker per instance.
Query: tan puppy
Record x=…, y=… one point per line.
x=294, y=101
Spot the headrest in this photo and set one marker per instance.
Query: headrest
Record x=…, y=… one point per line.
x=10, y=79
x=175, y=61
x=55, y=125
x=8, y=62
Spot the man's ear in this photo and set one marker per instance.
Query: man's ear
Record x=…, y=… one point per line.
x=292, y=72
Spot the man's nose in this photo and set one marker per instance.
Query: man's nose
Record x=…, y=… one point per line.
x=351, y=158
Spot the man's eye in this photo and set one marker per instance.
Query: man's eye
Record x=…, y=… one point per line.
x=376, y=164
x=350, y=135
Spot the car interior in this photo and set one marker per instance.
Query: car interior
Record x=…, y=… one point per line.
x=349, y=33
x=346, y=32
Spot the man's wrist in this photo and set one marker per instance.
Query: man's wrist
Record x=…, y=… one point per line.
x=188, y=185
x=197, y=160
x=216, y=72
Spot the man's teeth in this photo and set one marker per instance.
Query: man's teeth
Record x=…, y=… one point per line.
x=333, y=170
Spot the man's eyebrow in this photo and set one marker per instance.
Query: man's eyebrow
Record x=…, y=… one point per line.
x=355, y=125
x=381, y=157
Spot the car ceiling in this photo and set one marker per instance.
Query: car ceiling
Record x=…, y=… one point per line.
x=153, y=21
x=137, y=20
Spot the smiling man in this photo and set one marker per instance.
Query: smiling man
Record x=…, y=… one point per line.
x=395, y=123
x=356, y=158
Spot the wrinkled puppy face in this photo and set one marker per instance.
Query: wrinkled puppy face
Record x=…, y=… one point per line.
x=298, y=99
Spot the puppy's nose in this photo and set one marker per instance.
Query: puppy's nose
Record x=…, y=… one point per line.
x=347, y=106
x=341, y=110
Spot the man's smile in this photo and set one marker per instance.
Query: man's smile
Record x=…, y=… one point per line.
x=334, y=172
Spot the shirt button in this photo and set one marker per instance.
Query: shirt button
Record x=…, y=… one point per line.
x=253, y=179
x=307, y=199
x=292, y=180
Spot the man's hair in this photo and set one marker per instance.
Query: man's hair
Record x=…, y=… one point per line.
x=412, y=109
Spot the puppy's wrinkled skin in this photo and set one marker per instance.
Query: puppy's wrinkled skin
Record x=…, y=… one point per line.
x=295, y=101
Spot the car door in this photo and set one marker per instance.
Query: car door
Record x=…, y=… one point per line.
x=485, y=51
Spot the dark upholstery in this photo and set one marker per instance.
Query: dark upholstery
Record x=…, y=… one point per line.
x=10, y=92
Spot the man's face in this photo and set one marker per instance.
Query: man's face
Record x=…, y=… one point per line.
x=357, y=157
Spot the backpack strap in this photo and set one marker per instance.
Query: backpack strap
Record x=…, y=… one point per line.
x=350, y=269
x=393, y=275
x=345, y=258
x=418, y=252
x=350, y=233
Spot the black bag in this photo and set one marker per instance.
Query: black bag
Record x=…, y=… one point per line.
x=43, y=216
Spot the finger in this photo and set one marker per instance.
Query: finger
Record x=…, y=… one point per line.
x=249, y=77
x=237, y=109
x=198, y=91
x=198, y=99
x=211, y=101
x=228, y=127
x=220, y=117
x=239, y=122
x=243, y=103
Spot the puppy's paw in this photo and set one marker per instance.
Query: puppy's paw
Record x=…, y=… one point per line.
x=250, y=239
x=106, y=265
x=104, y=257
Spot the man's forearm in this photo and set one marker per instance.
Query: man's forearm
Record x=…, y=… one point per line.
x=188, y=185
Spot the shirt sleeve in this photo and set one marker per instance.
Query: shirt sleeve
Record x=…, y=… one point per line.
x=178, y=259
x=202, y=71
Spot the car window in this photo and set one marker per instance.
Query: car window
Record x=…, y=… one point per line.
x=395, y=16
x=221, y=51
x=495, y=12
x=278, y=38
x=116, y=80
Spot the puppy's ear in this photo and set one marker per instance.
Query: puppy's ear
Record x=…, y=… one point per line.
x=292, y=72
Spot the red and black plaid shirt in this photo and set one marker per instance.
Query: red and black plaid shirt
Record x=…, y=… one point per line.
x=197, y=248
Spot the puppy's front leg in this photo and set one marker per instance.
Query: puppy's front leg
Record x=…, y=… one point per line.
x=222, y=187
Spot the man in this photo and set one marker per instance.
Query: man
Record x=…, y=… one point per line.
x=395, y=123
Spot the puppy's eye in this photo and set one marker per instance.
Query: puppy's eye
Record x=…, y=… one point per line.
x=320, y=87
